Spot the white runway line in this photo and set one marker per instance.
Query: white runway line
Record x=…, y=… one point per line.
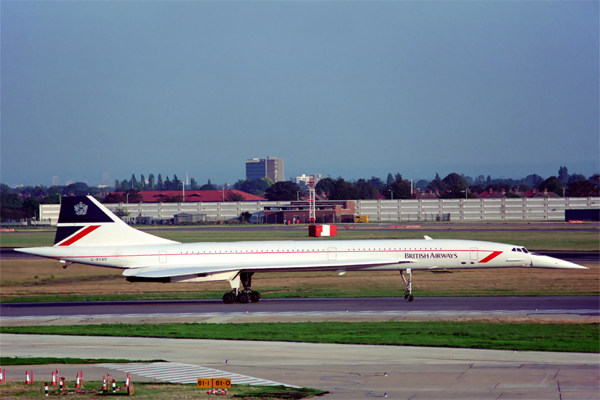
x=187, y=373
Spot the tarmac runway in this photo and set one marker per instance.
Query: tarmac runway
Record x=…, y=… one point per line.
x=584, y=309
x=346, y=371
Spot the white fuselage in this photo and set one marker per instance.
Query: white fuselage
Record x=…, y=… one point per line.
x=314, y=254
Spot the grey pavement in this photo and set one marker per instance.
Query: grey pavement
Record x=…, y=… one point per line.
x=347, y=371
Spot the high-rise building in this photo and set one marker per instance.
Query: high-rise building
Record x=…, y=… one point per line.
x=270, y=167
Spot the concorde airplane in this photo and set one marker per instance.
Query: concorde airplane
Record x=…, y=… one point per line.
x=89, y=233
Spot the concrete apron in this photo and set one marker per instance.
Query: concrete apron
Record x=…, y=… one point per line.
x=347, y=371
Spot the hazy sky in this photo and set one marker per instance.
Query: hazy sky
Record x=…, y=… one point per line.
x=357, y=89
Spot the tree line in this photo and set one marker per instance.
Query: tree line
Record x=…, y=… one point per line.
x=23, y=202
x=253, y=186
x=394, y=187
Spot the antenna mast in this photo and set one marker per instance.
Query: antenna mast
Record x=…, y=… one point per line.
x=311, y=201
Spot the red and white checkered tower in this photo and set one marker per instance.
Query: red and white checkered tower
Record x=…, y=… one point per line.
x=312, y=219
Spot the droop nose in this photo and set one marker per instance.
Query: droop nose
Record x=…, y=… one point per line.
x=539, y=261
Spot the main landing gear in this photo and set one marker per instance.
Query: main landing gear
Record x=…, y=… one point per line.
x=408, y=294
x=245, y=295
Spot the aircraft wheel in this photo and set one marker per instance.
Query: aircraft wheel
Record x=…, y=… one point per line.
x=243, y=298
x=254, y=297
x=409, y=297
x=228, y=298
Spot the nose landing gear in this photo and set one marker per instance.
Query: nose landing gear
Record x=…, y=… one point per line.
x=408, y=294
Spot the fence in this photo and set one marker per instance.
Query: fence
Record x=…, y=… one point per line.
x=536, y=209
x=214, y=211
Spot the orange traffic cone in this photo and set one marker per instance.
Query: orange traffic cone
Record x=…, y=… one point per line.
x=27, y=380
x=77, y=381
x=53, y=383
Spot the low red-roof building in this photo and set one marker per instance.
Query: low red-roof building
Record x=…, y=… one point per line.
x=192, y=196
x=298, y=212
x=546, y=194
x=491, y=194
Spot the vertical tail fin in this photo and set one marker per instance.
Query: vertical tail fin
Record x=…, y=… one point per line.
x=83, y=221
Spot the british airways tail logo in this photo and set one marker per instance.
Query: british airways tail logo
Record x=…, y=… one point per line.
x=81, y=208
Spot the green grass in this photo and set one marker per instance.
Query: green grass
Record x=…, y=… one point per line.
x=27, y=238
x=533, y=337
x=310, y=293
x=192, y=295
x=6, y=361
x=536, y=237
x=277, y=392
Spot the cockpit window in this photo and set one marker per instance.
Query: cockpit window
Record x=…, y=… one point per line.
x=519, y=250
x=525, y=250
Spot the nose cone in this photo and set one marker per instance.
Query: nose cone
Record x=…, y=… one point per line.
x=539, y=261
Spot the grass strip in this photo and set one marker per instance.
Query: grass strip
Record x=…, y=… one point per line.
x=583, y=338
x=537, y=236
x=277, y=392
x=155, y=391
x=55, y=298
x=5, y=361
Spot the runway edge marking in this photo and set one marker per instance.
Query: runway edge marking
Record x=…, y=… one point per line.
x=187, y=373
